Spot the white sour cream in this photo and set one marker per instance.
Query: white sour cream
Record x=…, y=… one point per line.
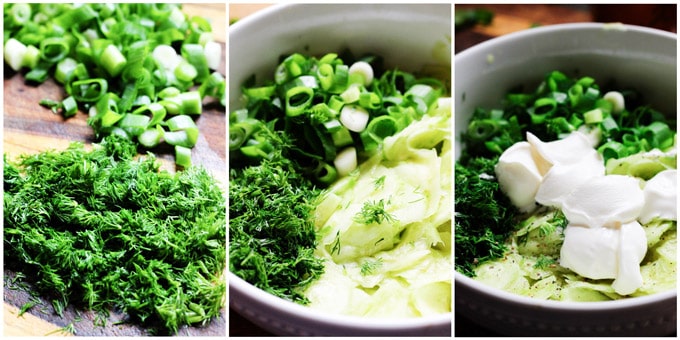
x=603, y=239
x=519, y=176
x=660, y=197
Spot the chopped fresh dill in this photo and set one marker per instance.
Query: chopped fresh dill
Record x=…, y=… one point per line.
x=368, y=267
x=544, y=262
x=379, y=182
x=373, y=212
x=28, y=305
x=336, y=244
x=272, y=237
x=102, y=229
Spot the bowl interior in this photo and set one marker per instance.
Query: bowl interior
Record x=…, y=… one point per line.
x=629, y=56
x=409, y=37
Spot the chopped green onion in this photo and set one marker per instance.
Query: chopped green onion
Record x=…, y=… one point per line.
x=89, y=90
x=183, y=131
x=325, y=173
x=617, y=100
x=240, y=132
x=185, y=71
x=659, y=135
x=354, y=118
x=15, y=52
x=151, y=138
x=156, y=110
x=183, y=159
x=65, y=70
x=195, y=55
x=325, y=109
x=482, y=129
x=134, y=124
x=351, y=94
x=113, y=60
x=298, y=100
x=377, y=130
x=20, y=13
x=346, y=161
x=213, y=54
x=613, y=149
x=134, y=51
x=361, y=72
x=70, y=106
x=54, y=49
x=593, y=116
x=543, y=108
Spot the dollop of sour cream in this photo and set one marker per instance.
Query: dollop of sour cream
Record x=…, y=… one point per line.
x=660, y=197
x=604, y=238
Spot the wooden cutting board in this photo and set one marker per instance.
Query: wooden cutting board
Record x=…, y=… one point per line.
x=31, y=128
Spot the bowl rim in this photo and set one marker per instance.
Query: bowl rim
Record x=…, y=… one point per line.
x=574, y=26
x=357, y=323
x=279, y=6
x=547, y=305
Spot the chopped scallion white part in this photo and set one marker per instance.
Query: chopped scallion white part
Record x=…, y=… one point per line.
x=14, y=53
x=166, y=56
x=177, y=17
x=351, y=94
x=92, y=111
x=361, y=70
x=354, y=118
x=617, y=100
x=346, y=161
x=213, y=54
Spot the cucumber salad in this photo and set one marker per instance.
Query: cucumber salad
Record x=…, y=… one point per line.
x=569, y=193
x=340, y=187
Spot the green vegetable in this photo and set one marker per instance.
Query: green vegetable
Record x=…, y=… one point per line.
x=100, y=229
x=484, y=215
x=557, y=107
x=373, y=212
x=325, y=110
x=561, y=105
x=519, y=253
x=271, y=232
x=289, y=141
x=116, y=59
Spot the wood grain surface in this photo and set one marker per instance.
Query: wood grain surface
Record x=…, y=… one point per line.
x=31, y=128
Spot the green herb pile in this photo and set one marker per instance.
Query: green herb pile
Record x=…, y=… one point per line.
x=484, y=215
x=557, y=107
x=141, y=71
x=271, y=231
x=284, y=148
x=101, y=229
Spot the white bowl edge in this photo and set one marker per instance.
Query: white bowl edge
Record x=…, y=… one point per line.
x=647, y=315
x=246, y=299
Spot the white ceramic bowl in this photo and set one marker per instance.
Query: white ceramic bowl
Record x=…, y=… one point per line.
x=643, y=57
x=408, y=37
